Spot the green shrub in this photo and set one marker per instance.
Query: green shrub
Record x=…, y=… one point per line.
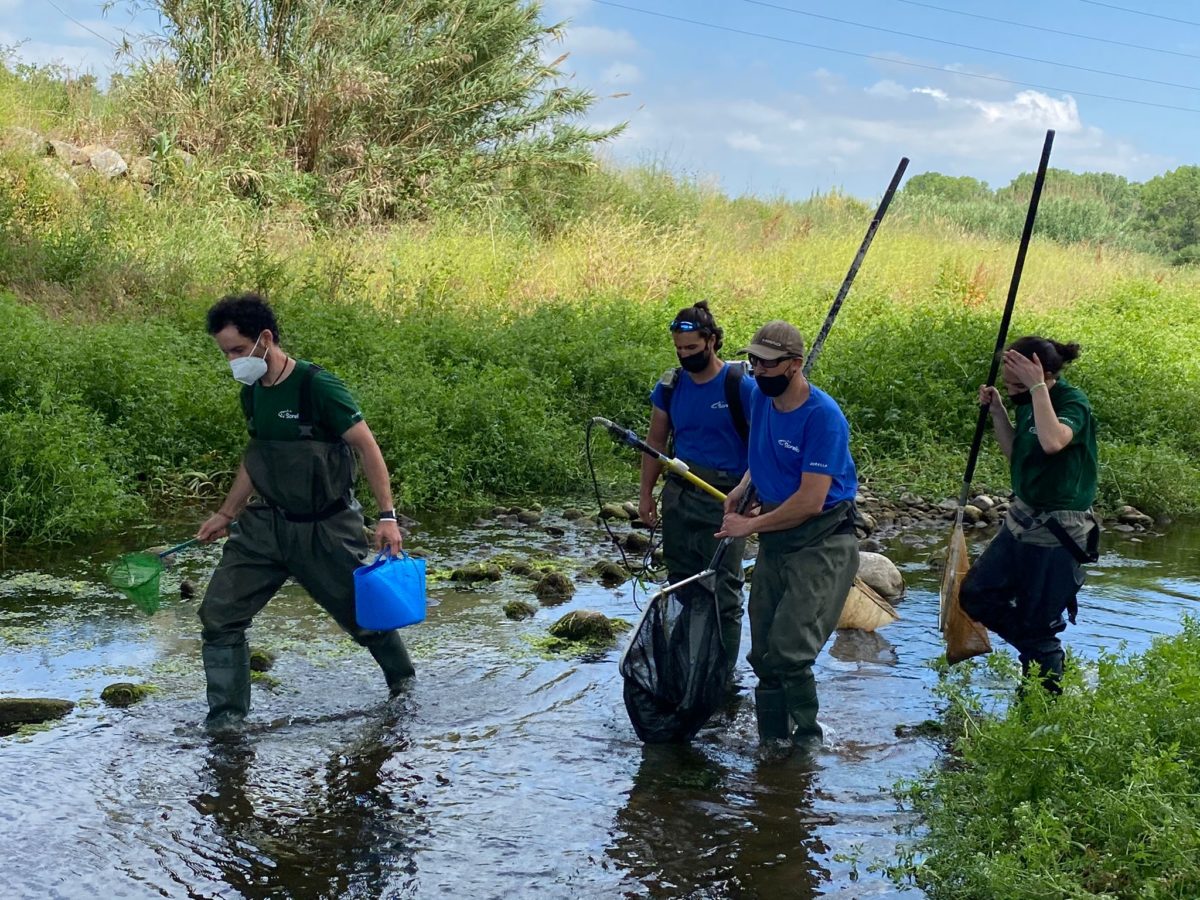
x=1094, y=794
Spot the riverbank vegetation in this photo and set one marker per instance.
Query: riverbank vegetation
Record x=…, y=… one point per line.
x=1093, y=794
x=481, y=326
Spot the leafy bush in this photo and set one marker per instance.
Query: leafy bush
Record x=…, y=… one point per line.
x=1094, y=794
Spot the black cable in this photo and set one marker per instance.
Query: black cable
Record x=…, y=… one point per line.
x=893, y=61
x=637, y=572
x=921, y=37
x=1047, y=30
x=1139, y=12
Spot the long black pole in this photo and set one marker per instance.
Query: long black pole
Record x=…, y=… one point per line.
x=1013, y=285
x=815, y=350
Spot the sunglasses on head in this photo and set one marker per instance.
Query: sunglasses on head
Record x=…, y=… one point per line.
x=686, y=326
x=759, y=362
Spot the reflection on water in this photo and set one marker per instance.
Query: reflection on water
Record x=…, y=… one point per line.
x=692, y=827
x=500, y=773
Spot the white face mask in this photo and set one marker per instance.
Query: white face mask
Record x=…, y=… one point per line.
x=249, y=369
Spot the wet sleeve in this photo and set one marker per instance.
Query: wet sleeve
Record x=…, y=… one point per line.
x=1074, y=413
x=335, y=407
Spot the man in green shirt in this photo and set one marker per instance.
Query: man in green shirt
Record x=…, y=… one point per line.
x=1030, y=573
x=303, y=521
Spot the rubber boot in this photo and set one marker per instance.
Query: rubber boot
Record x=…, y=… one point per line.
x=1050, y=667
x=227, y=670
x=771, y=712
x=391, y=654
x=802, y=706
x=731, y=638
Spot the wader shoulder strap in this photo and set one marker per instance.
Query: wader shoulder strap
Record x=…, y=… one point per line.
x=247, y=398
x=669, y=380
x=306, y=402
x=1082, y=556
x=734, y=373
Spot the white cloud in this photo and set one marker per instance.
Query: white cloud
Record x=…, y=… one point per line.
x=742, y=140
x=592, y=39
x=830, y=133
x=621, y=73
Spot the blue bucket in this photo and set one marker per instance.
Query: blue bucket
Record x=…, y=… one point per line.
x=390, y=592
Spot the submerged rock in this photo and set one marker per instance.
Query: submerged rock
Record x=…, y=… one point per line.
x=475, y=572
x=614, y=511
x=636, y=542
x=31, y=710
x=610, y=573
x=554, y=587
x=881, y=573
x=261, y=660
x=187, y=589
x=125, y=693
x=519, y=609
x=584, y=625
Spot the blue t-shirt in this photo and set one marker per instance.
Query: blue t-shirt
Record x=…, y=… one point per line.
x=814, y=437
x=704, y=432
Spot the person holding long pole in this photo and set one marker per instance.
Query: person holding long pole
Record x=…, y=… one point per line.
x=801, y=466
x=1027, y=579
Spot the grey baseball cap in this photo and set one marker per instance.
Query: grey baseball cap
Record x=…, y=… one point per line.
x=776, y=340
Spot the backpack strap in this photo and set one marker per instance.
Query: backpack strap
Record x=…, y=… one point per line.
x=668, y=381
x=306, y=402
x=734, y=373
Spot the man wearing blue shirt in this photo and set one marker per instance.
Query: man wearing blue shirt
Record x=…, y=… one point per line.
x=801, y=466
x=703, y=404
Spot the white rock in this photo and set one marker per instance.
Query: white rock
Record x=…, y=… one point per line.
x=881, y=573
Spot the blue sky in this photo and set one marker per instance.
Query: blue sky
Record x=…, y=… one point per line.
x=771, y=117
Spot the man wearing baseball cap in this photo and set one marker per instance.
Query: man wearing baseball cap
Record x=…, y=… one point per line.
x=801, y=467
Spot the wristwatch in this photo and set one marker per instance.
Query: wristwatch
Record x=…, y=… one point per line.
x=388, y=514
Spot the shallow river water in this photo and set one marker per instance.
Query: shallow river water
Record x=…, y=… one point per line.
x=502, y=773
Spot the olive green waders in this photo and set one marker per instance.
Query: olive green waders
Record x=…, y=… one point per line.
x=310, y=528
x=800, y=584
x=690, y=518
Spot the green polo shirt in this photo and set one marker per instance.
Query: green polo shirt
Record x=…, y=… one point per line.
x=273, y=413
x=1063, y=480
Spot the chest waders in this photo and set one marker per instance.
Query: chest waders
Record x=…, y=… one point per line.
x=305, y=525
x=691, y=518
x=800, y=584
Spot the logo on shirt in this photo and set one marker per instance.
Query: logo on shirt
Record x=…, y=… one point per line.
x=720, y=404
x=784, y=442
x=288, y=414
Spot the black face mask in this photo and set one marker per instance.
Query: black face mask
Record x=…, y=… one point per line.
x=1024, y=398
x=697, y=362
x=772, y=385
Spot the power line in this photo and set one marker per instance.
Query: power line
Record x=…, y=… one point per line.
x=893, y=61
x=921, y=37
x=1047, y=30
x=63, y=13
x=1138, y=12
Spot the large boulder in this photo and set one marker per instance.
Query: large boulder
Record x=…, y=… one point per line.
x=68, y=153
x=881, y=573
x=24, y=139
x=108, y=162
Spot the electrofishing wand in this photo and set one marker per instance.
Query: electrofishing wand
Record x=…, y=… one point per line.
x=677, y=466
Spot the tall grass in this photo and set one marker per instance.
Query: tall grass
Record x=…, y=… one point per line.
x=479, y=344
